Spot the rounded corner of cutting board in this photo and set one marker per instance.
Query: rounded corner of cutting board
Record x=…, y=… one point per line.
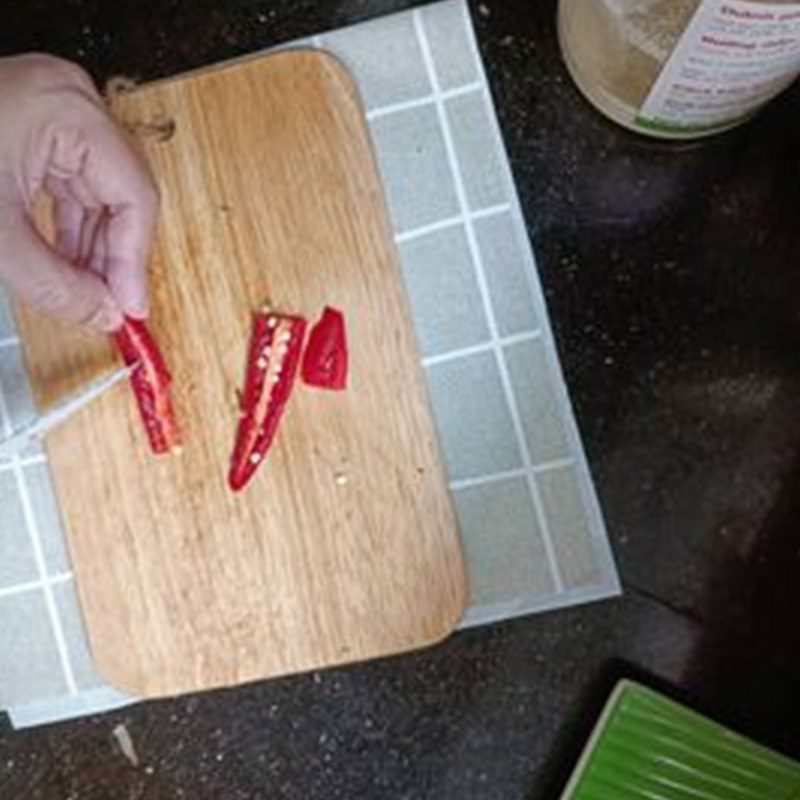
x=117, y=675
x=455, y=613
x=336, y=67
x=293, y=56
x=448, y=614
x=329, y=65
x=447, y=627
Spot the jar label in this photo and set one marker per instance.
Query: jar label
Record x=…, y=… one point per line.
x=733, y=56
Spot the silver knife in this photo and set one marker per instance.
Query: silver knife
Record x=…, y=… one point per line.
x=38, y=427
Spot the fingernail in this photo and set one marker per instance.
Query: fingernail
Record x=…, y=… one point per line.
x=109, y=320
x=110, y=316
x=139, y=309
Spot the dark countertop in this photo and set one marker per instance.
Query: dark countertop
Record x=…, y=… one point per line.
x=673, y=275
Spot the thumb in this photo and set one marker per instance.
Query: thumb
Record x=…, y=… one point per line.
x=48, y=283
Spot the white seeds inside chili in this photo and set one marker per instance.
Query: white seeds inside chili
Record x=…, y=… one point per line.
x=255, y=458
x=261, y=363
x=272, y=322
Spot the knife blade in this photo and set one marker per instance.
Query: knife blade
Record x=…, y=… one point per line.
x=61, y=411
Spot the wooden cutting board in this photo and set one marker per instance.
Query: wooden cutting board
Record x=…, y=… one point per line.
x=344, y=547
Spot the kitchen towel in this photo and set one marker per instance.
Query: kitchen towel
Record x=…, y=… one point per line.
x=531, y=525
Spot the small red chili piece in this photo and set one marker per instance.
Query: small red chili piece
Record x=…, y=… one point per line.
x=150, y=381
x=325, y=359
x=274, y=356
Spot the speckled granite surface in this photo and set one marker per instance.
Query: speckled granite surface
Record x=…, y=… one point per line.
x=672, y=281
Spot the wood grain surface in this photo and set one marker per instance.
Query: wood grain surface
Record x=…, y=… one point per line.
x=345, y=545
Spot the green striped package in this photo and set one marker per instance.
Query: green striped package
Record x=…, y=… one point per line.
x=647, y=747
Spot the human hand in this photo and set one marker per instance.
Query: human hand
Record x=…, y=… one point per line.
x=56, y=136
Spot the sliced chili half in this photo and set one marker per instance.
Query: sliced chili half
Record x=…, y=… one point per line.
x=151, y=381
x=325, y=359
x=273, y=358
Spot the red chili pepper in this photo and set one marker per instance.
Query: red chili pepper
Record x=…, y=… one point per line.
x=150, y=380
x=325, y=359
x=275, y=345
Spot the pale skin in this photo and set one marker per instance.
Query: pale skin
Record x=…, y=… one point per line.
x=57, y=137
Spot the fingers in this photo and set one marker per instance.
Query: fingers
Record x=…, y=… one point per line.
x=105, y=198
x=115, y=174
x=87, y=257
x=117, y=205
x=68, y=217
x=96, y=260
x=80, y=224
x=49, y=283
x=128, y=234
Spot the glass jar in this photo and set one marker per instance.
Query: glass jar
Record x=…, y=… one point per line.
x=680, y=68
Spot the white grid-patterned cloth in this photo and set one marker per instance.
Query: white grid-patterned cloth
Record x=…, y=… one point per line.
x=531, y=525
